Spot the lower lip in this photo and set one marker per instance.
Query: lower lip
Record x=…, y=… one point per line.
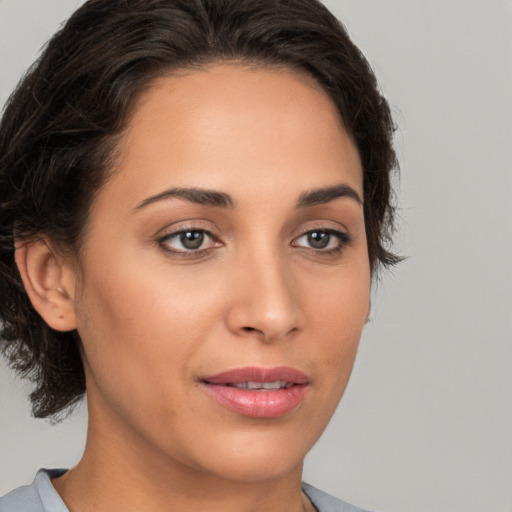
x=258, y=404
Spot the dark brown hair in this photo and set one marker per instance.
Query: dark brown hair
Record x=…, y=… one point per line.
x=59, y=129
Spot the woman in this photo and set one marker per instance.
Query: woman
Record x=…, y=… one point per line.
x=195, y=198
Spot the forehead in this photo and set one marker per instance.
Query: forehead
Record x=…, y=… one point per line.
x=230, y=124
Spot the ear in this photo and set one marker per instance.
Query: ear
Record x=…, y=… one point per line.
x=49, y=281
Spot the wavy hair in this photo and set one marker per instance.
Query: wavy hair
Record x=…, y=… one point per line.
x=59, y=128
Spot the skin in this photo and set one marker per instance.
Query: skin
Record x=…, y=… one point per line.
x=153, y=320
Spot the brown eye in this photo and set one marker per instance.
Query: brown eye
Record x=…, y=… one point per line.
x=323, y=240
x=191, y=239
x=188, y=241
x=318, y=239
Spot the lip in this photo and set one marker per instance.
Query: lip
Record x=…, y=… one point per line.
x=264, y=403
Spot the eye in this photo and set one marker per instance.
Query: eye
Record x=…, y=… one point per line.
x=326, y=240
x=187, y=241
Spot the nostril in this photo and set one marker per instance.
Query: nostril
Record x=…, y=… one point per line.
x=249, y=329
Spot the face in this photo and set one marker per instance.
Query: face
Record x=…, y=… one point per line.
x=226, y=253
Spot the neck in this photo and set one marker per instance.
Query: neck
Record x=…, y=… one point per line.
x=124, y=472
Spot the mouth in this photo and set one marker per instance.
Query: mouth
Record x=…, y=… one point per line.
x=261, y=386
x=258, y=392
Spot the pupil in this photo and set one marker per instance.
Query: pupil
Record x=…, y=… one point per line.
x=319, y=239
x=192, y=239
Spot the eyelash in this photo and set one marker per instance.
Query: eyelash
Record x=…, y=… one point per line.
x=164, y=240
x=343, y=240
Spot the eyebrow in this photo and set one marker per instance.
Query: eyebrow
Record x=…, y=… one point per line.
x=194, y=195
x=327, y=194
x=222, y=200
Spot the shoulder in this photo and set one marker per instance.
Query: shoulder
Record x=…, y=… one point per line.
x=325, y=502
x=24, y=499
x=39, y=496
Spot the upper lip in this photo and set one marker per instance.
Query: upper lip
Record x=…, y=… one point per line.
x=258, y=374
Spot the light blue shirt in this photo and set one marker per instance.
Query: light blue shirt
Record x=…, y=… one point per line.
x=41, y=496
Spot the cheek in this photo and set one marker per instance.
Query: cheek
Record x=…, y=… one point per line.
x=337, y=317
x=139, y=339
x=144, y=319
x=134, y=329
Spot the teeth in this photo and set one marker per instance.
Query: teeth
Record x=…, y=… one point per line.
x=274, y=385
x=278, y=384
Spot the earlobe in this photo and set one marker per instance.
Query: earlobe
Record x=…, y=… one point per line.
x=46, y=277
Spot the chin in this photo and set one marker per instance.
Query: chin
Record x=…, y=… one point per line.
x=249, y=469
x=258, y=458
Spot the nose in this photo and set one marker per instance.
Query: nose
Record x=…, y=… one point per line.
x=265, y=304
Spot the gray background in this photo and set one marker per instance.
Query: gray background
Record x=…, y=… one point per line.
x=426, y=423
